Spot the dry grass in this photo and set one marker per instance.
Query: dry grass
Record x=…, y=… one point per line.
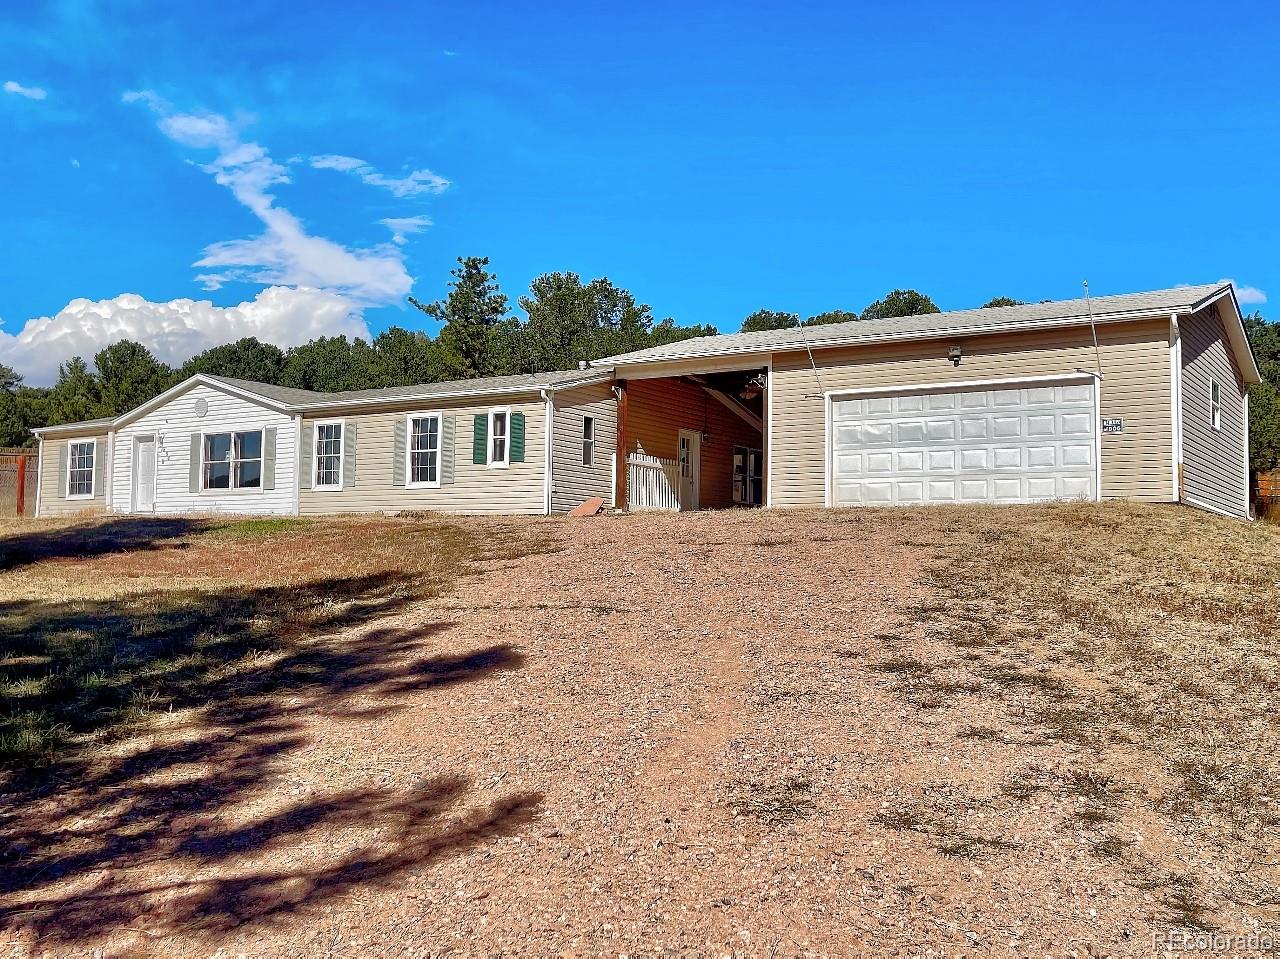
x=108, y=622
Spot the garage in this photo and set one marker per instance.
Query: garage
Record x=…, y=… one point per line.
x=993, y=442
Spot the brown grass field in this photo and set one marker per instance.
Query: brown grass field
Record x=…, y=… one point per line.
x=1033, y=730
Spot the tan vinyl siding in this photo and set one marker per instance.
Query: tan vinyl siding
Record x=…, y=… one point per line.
x=1213, y=470
x=475, y=488
x=572, y=481
x=656, y=412
x=1136, y=464
x=53, y=477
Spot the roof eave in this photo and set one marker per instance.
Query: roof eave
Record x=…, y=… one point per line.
x=513, y=390
x=620, y=361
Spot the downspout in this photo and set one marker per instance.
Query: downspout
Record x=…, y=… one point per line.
x=297, y=464
x=548, y=460
x=1175, y=374
x=109, y=474
x=39, y=473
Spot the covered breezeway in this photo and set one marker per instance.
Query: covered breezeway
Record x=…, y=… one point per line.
x=690, y=442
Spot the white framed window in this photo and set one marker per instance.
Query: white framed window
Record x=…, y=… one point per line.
x=1215, y=405
x=588, y=441
x=232, y=460
x=327, y=469
x=499, y=437
x=422, y=460
x=80, y=464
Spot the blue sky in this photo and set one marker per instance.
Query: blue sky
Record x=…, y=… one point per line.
x=186, y=175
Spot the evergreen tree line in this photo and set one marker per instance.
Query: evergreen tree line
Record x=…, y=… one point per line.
x=566, y=321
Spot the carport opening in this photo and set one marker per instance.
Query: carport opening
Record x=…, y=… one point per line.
x=693, y=442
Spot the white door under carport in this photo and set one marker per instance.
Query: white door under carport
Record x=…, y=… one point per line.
x=1018, y=441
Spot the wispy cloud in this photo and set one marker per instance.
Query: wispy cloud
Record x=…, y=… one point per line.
x=414, y=184
x=1247, y=295
x=285, y=254
x=31, y=93
x=402, y=226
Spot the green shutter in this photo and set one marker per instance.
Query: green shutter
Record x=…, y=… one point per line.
x=193, y=467
x=517, y=437
x=480, y=440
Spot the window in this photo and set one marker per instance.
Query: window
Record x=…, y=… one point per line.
x=233, y=460
x=80, y=457
x=1215, y=405
x=588, y=440
x=328, y=473
x=498, y=437
x=424, y=450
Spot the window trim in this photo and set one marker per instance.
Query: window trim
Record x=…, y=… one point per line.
x=315, y=454
x=588, y=441
x=1215, y=405
x=230, y=490
x=93, y=469
x=438, y=416
x=505, y=462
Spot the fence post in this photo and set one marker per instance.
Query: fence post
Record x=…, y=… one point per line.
x=22, y=485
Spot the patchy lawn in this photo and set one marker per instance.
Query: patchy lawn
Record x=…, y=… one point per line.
x=991, y=730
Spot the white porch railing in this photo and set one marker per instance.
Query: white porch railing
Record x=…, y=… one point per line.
x=652, y=482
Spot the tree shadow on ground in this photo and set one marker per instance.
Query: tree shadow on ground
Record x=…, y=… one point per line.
x=87, y=540
x=108, y=821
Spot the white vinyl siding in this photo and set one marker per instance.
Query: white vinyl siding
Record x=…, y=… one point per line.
x=380, y=478
x=573, y=480
x=1213, y=454
x=174, y=423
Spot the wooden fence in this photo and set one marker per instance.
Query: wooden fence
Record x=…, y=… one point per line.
x=652, y=482
x=9, y=481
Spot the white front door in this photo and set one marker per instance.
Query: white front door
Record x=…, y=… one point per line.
x=1014, y=443
x=690, y=459
x=144, y=474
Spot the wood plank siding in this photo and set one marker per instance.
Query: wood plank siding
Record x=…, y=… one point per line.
x=1137, y=384
x=1213, y=461
x=377, y=484
x=659, y=408
x=53, y=476
x=573, y=481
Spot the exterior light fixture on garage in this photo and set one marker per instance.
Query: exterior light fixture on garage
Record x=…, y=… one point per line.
x=954, y=354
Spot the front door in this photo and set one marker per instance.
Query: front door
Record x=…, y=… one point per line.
x=690, y=459
x=144, y=475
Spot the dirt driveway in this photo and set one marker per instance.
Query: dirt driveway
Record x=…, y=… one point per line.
x=716, y=734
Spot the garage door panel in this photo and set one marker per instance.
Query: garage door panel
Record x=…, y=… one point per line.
x=1013, y=444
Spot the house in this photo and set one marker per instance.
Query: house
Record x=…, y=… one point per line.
x=1142, y=396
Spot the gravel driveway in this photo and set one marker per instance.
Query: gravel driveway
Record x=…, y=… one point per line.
x=711, y=734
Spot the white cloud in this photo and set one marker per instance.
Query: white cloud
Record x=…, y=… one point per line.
x=402, y=226
x=31, y=93
x=1247, y=295
x=176, y=330
x=416, y=183
x=285, y=254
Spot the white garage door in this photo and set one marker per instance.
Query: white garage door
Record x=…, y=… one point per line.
x=1012, y=444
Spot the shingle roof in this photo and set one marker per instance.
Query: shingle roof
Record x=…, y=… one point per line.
x=306, y=399
x=83, y=426
x=995, y=319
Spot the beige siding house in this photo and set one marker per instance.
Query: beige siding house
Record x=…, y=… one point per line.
x=1142, y=396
